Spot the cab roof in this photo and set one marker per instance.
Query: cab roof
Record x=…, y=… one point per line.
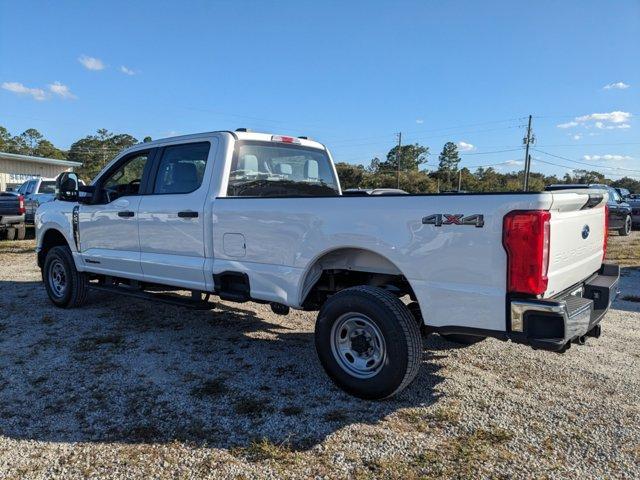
x=238, y=135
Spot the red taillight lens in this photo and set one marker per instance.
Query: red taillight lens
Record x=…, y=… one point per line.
x=21, y=209
x=606, y=231
x=525, y=236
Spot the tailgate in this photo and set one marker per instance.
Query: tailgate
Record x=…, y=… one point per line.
x=576, y=242
x=9, y=204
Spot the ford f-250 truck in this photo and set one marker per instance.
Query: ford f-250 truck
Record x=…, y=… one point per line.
x=260, y=217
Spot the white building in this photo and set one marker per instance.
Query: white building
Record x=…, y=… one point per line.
x=16, y=169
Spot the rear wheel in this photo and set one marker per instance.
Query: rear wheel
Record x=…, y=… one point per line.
x=11, y=233
x=66, y=287
x=368, y=342
x=21, y=232
x=626, y=229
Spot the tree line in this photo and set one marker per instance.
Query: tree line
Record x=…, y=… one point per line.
x=449, y=177
x=95, y=151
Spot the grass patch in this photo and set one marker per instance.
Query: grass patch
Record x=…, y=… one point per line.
x=263, y=450
x=337, y=415
x=88, y=344
x=214, y=387
x=625, y=250
x=251, y=406
x=292, y=411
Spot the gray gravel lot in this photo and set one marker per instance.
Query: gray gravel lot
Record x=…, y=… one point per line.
x=129, y=389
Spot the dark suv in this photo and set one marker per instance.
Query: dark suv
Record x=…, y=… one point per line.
x=619, y=210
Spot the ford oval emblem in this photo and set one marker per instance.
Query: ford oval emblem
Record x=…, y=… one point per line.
x=585, y=231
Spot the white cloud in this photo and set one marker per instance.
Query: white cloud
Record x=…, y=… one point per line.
x=465, y=147
x=127, y=71
x=577, y=136
x=91, y=63
x=61, y=90
x=609, y=157
x=602, y=121
x=20, y=89
x=512, y=163
x=612, y=117
x=616, y=86
x=419, y=121
x=568, y=125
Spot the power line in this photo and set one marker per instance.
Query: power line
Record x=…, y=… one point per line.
x=585, y=163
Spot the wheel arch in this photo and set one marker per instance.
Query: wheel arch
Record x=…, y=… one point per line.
x=51, y=237
x=347, y=258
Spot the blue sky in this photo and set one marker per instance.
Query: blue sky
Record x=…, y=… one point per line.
x=349, y=74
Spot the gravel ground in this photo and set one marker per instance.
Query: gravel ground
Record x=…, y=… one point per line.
x=129, y=389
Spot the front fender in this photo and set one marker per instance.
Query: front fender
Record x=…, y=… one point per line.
x=56, y=216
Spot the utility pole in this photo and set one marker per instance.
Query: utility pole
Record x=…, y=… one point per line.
x=399, y=157
x=528, y=140
x=459, y=180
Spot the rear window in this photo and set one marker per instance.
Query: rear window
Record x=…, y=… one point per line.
x=264, y=169
x=47, y=187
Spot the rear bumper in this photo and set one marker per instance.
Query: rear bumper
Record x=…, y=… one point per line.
x=7, y=220
x=552, y=324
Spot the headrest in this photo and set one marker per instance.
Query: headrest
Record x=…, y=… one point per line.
x=248, y=163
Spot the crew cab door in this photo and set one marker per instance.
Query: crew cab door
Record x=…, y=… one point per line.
x=108, y=227
x=172, y=217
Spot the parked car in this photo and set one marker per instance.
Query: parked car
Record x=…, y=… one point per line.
x=623, y=192
x=634, y=203
x=619, y=210
x=261, y=217
x=12, y=216
x=36, y=192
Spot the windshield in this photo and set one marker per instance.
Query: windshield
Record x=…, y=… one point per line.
x=47, y=187
x=264, y=169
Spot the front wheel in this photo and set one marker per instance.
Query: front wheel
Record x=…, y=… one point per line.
x=626, y=229
x=368, y=342
x=66, y=287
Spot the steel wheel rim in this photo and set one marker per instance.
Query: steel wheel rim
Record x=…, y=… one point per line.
x=358, y=345
x=57, y=278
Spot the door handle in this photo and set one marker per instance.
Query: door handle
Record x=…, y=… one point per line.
x=188, y=214
x=126, y=214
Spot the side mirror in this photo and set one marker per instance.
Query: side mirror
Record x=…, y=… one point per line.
x=67, y=187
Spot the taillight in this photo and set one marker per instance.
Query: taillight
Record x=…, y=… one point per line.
x=606, y=231
x=21, y=209
x=525, y=236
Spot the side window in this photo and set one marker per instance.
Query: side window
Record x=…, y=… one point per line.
x=31, y=186
x=23, y=188
x=47, y=187
x=181, y=168
x=126, y=179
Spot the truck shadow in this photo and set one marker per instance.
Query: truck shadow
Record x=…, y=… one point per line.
x=629, y=298
x=122, y=370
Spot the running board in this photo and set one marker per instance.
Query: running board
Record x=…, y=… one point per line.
x=168, y=298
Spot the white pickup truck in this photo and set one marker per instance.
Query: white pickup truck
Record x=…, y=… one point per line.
x=259, y=217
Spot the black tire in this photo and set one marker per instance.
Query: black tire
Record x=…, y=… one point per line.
x=396, y=326
x=11, y=233
x=626, y=230
x=21, y=232
x=461, y=338
x=414, y=308
x=76, y=284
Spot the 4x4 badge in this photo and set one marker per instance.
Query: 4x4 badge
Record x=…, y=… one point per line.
x=440, y=219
